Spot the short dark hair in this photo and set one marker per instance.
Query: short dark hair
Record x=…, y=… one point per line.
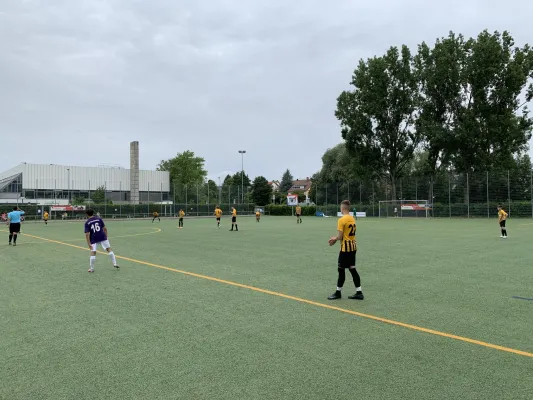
x=345, y=203
x=15, y=208
x=499, y=206
x=89, y=212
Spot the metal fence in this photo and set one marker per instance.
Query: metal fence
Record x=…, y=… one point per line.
x=196, y=200
x=449, y=194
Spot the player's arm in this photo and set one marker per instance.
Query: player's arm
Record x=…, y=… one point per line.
x=105, y=231
x=335, y=239
x=88, y=239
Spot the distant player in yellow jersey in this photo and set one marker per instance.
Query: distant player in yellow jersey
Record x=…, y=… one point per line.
x=346, y=235
x=257, y=215
x=502, y=217
x=298, y=214
x=218, y=215
x=181, y=214
x=234, y=219
x=156, y=216
x=45, y=217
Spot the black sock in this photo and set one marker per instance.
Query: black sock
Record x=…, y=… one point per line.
x=504, y=232
x=10, y=237
x=356, y=277
x=236, y=227
x=15, y=238
x=342, y=277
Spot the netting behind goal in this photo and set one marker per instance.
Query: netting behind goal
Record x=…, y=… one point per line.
x=404, y=208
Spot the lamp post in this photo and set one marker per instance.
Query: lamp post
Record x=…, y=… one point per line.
x=68, y=185
x=242, y=153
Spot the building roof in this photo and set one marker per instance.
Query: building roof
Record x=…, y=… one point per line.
x=300, y=185
x=64, y=177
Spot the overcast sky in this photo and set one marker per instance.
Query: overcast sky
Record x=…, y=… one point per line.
x=80, y=79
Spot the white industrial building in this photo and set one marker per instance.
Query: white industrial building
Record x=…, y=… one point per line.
x=60, y=184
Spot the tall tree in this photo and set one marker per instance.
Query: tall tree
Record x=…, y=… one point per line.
x=186, y=170
x=439, y=71
x=286, y=182
x=261, y=191
x=493, y=122
x=377, y=117
x=98, y=196
x=237, y=180
x=211, y=191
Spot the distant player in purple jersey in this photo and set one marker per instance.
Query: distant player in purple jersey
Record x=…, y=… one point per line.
x=96, y=234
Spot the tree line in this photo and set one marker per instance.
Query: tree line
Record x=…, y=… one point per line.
x=189, y=183
x=454, y=108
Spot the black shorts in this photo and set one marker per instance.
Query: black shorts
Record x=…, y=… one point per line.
x=502, y=224
x=346, y=259
x=14, y=228
x=298, y=215
x=218, y=219
x=233, y=219
x=181, y=219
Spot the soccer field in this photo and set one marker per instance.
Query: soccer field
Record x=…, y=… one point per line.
x=203, y=313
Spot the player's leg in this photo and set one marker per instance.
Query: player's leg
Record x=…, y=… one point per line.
x=236, y=226
x=92, y=258
x=504, y=229
x=109, y=250
x=357, y=282
x=10, y=233
x=341, y=278
x=16, y=231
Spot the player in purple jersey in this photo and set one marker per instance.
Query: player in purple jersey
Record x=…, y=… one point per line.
x=96, y=234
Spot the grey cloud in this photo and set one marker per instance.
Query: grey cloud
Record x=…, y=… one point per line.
x=210, y=76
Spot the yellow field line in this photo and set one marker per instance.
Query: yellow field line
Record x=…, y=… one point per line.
x=310, y=302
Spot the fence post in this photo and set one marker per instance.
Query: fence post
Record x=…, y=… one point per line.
x=161, y=200
x=197, y=199
x=373, y=200
x=174, y=188
x=450, y=194
x=531, y=186
x=488, y=202
x=120, y=199
x=208, y=197
x=468, y=196
x=105, y=198
x=326, y=212
x=509, y=191
x=337, y=187
x=349, y=190
x=186, y=207
x=360, y=193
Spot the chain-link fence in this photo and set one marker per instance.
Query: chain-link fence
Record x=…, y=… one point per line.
x=447, y=194
x=195, y=200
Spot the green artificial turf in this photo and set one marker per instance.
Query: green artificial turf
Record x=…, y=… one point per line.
x=148, y=333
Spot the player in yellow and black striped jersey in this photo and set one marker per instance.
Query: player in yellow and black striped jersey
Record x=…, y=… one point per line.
x=502, y=217
x=181, y=214
x=234, y=219
x=156, y=216
x=346, y=228
x=298, y=214
x=218, y=215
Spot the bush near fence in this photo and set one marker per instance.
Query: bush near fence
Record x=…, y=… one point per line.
x=516, y=209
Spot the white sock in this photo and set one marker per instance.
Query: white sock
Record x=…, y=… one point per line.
x=339, y=289
x=113, y=258
x=358, y=289
x=92, y=261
